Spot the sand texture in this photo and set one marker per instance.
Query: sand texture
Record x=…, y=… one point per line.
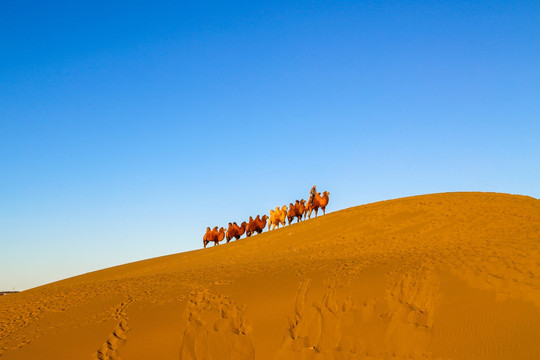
x=441, y=276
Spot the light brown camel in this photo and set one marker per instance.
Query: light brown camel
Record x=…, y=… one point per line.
x=277, y=217
x=306, y=209
x=273, y=220
x=318, y=202
x=283, y=215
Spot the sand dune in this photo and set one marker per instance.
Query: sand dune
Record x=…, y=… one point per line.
x=442, y=276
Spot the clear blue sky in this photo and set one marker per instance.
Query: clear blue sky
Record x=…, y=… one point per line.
x=127, y=128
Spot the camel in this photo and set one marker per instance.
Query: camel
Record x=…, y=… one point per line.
x=235, y=231
x=318, y=202
x=230, y=230
x=213, y=235
x=277, y=217
x=306, y=209
x=221, y=236
x=301, y=208
x=296, y=211
x=323, y=202
x=249, y=226
x=241, y=230
x=283, y=215
x=207, y=237
x=256, y=225
x=291, y=214
x=274, y=219
x=261, y=224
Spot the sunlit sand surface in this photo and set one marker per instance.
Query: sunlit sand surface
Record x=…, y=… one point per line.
x=442, y=276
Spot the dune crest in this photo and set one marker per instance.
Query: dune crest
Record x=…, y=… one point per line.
x=440, y=276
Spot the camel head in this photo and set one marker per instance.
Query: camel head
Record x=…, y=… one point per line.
x=264, y=218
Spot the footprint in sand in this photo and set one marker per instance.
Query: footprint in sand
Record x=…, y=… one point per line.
x=216, y=329
x=109, y=349
x=320, y=328
x=411, y=302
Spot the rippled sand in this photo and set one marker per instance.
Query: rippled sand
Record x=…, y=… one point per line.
x=442, y=276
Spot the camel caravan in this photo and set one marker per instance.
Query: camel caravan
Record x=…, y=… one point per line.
x=300, y=210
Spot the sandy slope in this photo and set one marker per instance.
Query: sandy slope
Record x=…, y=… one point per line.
x=443, y=276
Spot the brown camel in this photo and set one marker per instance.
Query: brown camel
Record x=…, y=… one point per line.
x=221, y=236
x=213, y=235
x=291, y=214
x=207, y=237
x=242, y=230
x=301, y=207
x=230, y=230
x=235, y=231
x=324, y=202
x=318, y=202
x=256, y=225
x=250, y=225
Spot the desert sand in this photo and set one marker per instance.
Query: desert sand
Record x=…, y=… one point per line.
x=441, y=276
